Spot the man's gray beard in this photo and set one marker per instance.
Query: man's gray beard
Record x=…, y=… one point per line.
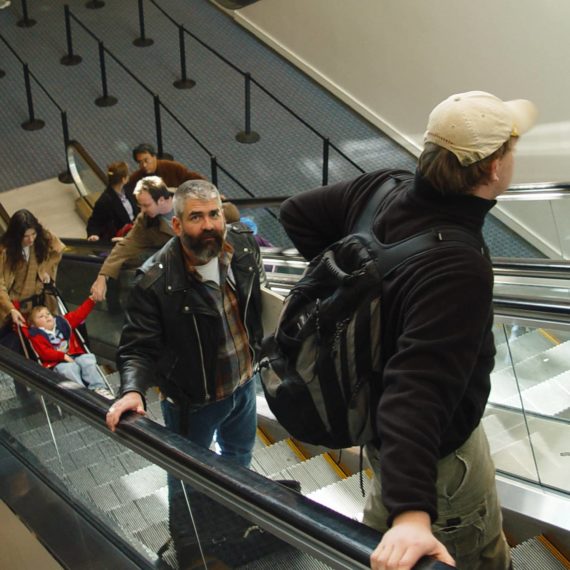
x=203, y=252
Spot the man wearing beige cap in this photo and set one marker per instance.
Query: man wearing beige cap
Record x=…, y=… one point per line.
x=433, y=490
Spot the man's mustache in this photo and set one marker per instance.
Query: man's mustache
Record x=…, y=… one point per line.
x=210, y=233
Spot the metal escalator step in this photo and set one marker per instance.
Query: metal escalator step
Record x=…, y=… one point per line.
x=55, y=465
x=139, y=483
x=549, y=397
x=88, y=455
x=133, y=461
x=34, y=437
x=80, y=481
x=128, y=517
x=154, y=507
x=533, y=555
x=522, y=347
x=344, y=497
x=274, y=459
x=154, y=536
x=289, y=558
x=111, y=449
x=104, y=497
x=107, y=471
x=313, y=474
x=547, y=370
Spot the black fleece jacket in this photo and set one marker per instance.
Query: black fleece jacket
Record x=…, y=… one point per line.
x=437, y=335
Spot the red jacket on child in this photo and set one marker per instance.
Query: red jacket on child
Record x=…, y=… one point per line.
x=50, y=356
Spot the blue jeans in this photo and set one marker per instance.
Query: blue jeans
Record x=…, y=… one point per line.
x=233, y=421
x=82, y=370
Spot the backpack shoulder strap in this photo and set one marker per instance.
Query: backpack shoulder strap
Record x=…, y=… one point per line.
x=365, y=219
x=391, y=256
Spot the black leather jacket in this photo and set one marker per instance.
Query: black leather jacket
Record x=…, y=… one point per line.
x=172, y=331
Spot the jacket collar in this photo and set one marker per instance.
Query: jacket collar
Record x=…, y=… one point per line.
x=465, y=208
x=158, y=222
x=176, y=274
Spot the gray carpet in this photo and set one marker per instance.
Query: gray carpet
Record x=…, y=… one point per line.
x=286, y=160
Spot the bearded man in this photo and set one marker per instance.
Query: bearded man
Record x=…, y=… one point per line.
x=193, y=327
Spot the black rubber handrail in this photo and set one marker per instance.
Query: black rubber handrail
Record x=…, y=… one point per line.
x=291, y=516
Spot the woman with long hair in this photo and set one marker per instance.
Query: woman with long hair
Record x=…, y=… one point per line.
x=115, y=209
x=29, y=255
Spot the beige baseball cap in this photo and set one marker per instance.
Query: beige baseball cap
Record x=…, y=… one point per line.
x=475, y=124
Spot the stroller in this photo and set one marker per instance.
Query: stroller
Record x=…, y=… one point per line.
x=28, y=349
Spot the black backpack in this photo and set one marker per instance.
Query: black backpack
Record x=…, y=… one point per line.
x=321, y=369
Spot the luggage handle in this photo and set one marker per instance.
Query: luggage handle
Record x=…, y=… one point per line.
x=337, y=272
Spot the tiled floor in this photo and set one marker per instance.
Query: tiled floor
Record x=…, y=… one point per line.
x=21, y=550
x=52, y=202
x=287, y=159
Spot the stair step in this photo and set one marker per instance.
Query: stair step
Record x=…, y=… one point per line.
x=139, y=483
x=154, y=536
x=533, y=555
x=344, y=497
x=550, y=397
x=531, y=374
x=274, y=459
x=522, y=347
x=313, y=474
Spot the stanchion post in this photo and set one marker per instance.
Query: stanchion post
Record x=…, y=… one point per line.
x=2, y=73
x=248, y=136
x=70, y=58
x=143, y=41
x=183, y=82
x=65, y=176
x=105, y=100
x=214, y=170
x=25, y=22
x=158, y=125
x=32, y=124
x=326, y=148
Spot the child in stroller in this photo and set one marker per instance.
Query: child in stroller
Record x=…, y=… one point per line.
x=58, y=347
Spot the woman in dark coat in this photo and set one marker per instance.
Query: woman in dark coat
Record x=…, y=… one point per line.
x=115, y=210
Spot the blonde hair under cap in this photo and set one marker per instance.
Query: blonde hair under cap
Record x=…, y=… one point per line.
x=475, y=124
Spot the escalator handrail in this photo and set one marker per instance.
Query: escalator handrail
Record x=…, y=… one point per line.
x=286, y=513
x=530, y=187
x=80, y=149
x=536, y=268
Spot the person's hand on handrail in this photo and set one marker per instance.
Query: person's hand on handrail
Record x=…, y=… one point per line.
x=406, y=542
x=130, y=402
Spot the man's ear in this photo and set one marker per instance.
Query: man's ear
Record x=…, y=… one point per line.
x=494, y=170
x=176, y=226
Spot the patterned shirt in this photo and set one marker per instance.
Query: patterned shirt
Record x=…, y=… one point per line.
x=234, y=364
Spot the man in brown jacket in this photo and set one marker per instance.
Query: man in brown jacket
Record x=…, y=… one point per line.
x=152, y=229
x=173, y=173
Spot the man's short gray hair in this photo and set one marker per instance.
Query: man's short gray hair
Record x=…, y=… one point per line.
x=197, y=190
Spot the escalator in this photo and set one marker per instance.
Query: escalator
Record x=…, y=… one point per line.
x=120, y=481
x=528, y=434
x=117, y=483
